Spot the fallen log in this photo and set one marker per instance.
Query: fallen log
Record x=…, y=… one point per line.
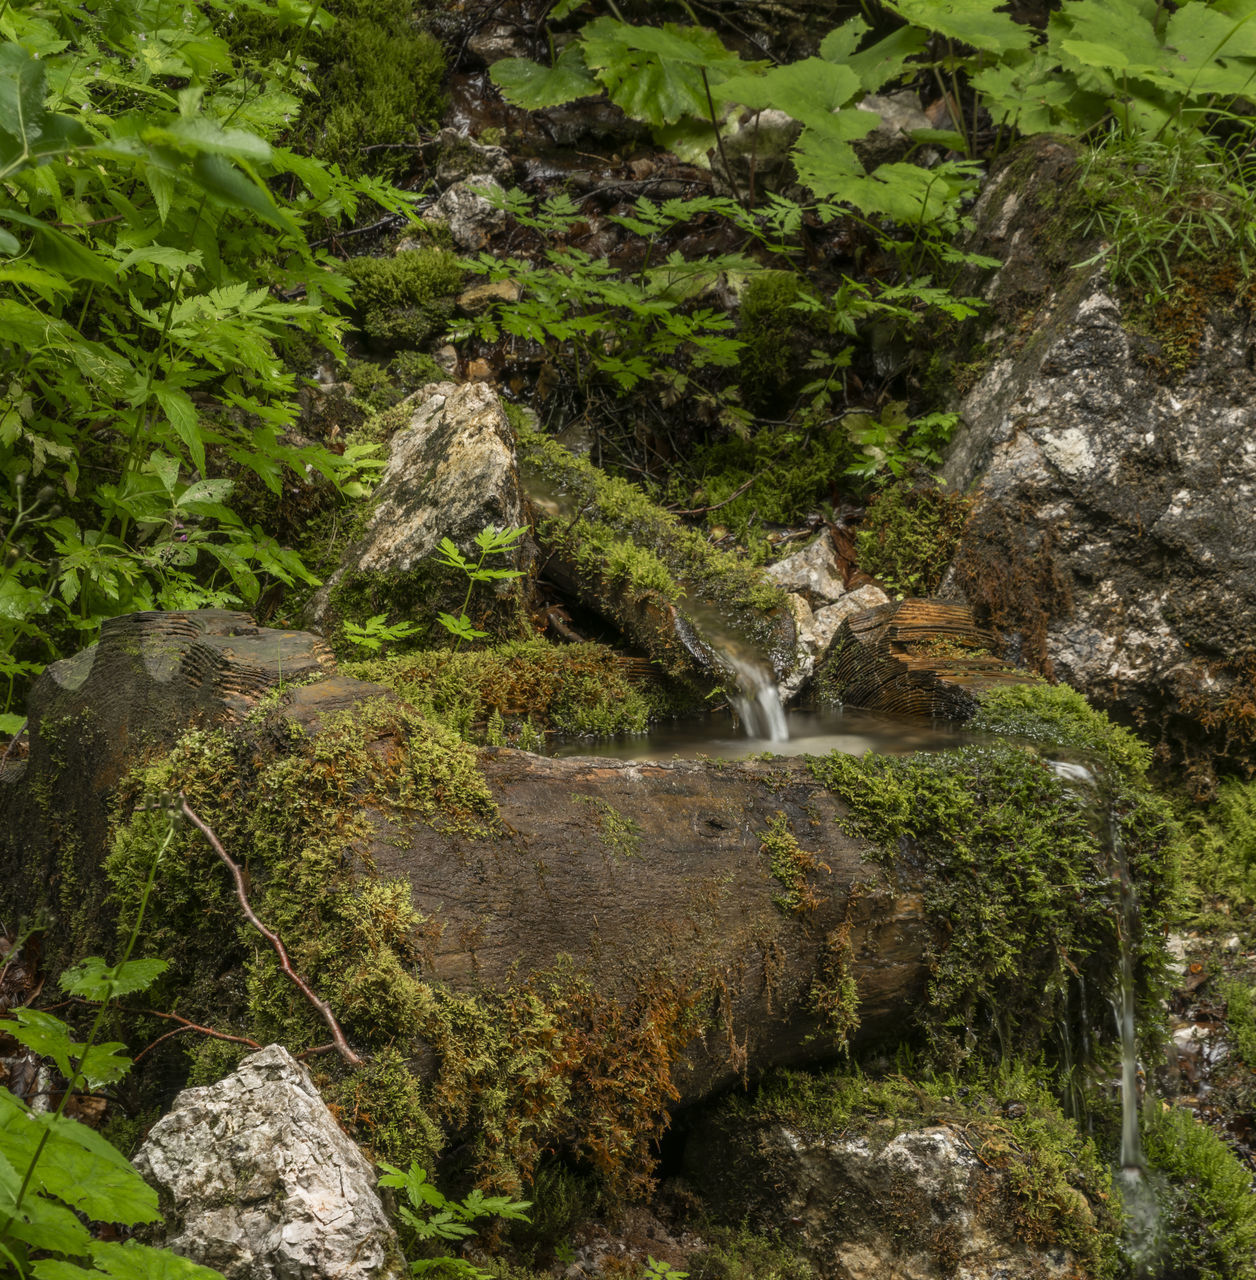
x=551, y=951
x=915, y=657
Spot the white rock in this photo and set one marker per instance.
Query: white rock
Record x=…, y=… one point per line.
x=813, y=572
x=828, y=619
x=471, y=217
x=257, y=1180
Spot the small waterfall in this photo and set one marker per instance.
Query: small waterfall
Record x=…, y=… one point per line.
x=756, y=697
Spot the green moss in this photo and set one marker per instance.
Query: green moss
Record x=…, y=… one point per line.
x=1240, y=1016
x=646, y=557
x=910, y=534
x=572, y=689
x=1056, y=1189
x=777, y=336
x=1019, y=886
x=740, y=1254
x=792, y=866
x=620, y=835
x=1207, y=1229
x=1219, y=855
x=406, y=299
x=1062, y=718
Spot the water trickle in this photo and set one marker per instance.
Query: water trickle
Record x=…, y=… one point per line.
x=756, y=697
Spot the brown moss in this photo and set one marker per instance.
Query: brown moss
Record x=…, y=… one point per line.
x=1008, y=572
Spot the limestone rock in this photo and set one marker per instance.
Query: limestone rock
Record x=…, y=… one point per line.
x=461, y=156
x=812, y=572
x=473, y=220
x=451, y=472
x=1113, y=538
x=876, y=1204
x=480, y=297
x=827, y=620
x=816, y=629
x=257, y=1180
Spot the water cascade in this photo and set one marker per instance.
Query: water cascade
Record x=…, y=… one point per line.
x=755, y=696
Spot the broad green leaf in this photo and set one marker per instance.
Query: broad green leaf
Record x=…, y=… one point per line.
x=21, y=96
x=531, y=86
x=880, y=62
x=92, y=978
x=57, y=250
x=811, y=91
x=974, y=22
x=207, y=136
x=656, y=74
x=205, y=491
x=39, y=1223
x=841, y=42
x=235, y=189
x=8, y=243
x=50, y=1038
x=563, y=9
x=76, y=1166
x=133, y=1261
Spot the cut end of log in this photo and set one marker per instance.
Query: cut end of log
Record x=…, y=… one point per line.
x=913, y=657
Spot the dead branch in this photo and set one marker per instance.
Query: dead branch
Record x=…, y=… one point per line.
x=342, y=1045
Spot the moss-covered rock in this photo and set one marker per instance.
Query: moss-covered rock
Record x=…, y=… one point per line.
x=940, y=1175
x=661, y=582
x=406, y=299
x=910, y=534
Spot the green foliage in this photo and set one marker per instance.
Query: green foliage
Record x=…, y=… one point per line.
x=432, y=1217
x=1240, y=1016
x=1019, y=883
x=741, y=1255
x=150, y=279
x=374, y=633
x=910, y=534
x=1207, y=1229
x=57, y=1176
x=406, y=299
x=489, y=542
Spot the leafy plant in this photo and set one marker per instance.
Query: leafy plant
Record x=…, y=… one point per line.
x=374, y=633
x=151, y=277
x=57, y=1175
x=433, y=1218
x=491, y=542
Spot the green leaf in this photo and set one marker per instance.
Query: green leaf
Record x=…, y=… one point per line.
x=180, y=412
x=656, y=74
x=973, y=22
x=812, y=91
x=39, y=1223
x=21, y=96
x=93, y=979
x=77, y=1165
x=55, y=249
x=133, y=1261
x=880, y=62
x=49, y=1037
x=9, y=243
x=221, y=179
x=527, y=84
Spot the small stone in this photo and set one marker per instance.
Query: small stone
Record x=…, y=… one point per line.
x=1232, y=944
x=472, y=219
x=828, y=619
x=447, y=358
x=479, y=371
x=479, y=297
x=812, y=572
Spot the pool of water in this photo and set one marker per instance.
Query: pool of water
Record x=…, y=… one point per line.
x=813, y=733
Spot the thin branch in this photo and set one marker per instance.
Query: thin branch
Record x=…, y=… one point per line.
x=342, y=1045
x=701, y=511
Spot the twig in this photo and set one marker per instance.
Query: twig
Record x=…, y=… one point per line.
x=390, y=220
x=342, y=1045
x=701, y=511
x=13, y=741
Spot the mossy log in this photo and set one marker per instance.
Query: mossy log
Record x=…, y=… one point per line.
x=734, y=885
x=913, y=657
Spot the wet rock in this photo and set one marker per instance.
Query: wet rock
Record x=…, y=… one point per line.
x=1112, y=542
x=760, y=143
x=915, y=1205
x=812, y=572
x=828, y=619
x=451, y=473
x=816, y=629
x=497, y=40
x=472, y=219
x=460, y=158
x=257, y=1180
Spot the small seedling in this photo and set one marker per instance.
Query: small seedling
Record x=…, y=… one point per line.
x=491, y=542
